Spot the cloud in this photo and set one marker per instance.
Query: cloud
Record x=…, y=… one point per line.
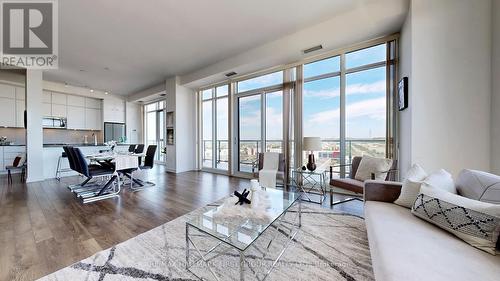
x=372, y=108
x=353, y=89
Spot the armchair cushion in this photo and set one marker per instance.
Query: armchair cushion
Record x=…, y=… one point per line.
x=373, y=165
x=348, y=184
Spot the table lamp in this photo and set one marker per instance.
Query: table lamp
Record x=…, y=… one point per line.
x=311, y=144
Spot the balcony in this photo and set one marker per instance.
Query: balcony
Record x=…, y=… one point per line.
x=328, y=156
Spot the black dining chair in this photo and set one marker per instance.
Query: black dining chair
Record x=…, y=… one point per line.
x=148, y=164
x=138, y=150
x=100, y=192
x=131, y=148
x=149, y=160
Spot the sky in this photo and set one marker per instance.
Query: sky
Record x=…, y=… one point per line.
x=365, y=101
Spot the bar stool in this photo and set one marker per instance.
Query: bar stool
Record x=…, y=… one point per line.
x=60, y=170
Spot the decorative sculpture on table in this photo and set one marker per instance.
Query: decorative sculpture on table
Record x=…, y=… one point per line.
x=242, y=197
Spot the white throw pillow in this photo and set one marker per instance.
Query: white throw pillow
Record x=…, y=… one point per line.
x=442, y=180
x=475, y=222
x=369, y=165
x=411, y=186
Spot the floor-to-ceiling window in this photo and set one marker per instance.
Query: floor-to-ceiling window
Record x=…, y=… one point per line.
x=321, y=109
x=345, y=103
x=215, y=128
x=259, y=103
x=155, y=127
x=346, y=99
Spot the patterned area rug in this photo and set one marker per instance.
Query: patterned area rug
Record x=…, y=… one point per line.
x=329, y=246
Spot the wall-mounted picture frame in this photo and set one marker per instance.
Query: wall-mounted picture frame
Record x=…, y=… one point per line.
x=403, y=94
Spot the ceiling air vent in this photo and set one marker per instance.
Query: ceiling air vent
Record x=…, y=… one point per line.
x=229, y=74
x=312, y=49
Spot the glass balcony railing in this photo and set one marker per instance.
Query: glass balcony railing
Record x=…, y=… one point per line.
x=328, y=156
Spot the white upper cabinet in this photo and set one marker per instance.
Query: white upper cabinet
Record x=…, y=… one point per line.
x=76, y=117
x=46, y=109
x=93, y=119
x=20, y=106
x=47, y=97
x=76, y=101
x=7, y=91
x=7, y=112
x=20, y=93
x=58, y=98
x=92, y=103
x=59, y=110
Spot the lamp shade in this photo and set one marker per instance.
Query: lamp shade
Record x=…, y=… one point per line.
x=311, y=144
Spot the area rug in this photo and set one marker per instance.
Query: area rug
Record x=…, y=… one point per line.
x=329, y=246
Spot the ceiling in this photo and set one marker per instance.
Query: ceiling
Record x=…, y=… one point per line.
x=124, y=46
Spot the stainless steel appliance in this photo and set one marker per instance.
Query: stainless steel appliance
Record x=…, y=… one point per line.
x=54, y=122
x=114, y=131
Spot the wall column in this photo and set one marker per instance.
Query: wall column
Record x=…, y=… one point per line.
x=34, y=131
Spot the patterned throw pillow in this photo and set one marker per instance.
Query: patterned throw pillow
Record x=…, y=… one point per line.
x=475, y=222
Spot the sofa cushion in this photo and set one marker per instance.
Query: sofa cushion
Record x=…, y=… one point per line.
x=442, y=180
x=404, y=247
x=411, y=186
x=373, y=165
x=348, y=184
x=479, y=185
x=475, y=222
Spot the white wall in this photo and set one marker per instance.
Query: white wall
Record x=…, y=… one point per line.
x=34, y=131
x=495, y=96
x=185, y=124
x=134, y=121
x=181, y=156
x=450, y=85
x=404, y=128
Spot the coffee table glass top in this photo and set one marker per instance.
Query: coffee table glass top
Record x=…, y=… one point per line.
x=242, y=232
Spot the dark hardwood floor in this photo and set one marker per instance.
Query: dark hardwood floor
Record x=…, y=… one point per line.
x=43, y=227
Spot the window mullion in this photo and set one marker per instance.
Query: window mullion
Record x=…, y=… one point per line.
x=342, y=115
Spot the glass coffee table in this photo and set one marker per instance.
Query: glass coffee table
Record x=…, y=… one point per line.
x=240, y=233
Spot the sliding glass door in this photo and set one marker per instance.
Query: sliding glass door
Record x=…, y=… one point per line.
x=215, y=130
x=155, y=127
x=260, y=126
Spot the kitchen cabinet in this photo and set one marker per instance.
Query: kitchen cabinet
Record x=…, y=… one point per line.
x=20, y=93
x=59, y=110
x=46, y=109
x=20, y=107
x=7, y=112
x=47, y=97
x=7, y=91
x=93, y=119
x=76, y=117
x=92, y=103
x=76, y=101
x=58, y=98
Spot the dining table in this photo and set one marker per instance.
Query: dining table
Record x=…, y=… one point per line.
x=124, y=163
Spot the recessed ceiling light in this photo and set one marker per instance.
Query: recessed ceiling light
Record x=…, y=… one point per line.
x=91, y=90
x=82, y=70
x=106, y=93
